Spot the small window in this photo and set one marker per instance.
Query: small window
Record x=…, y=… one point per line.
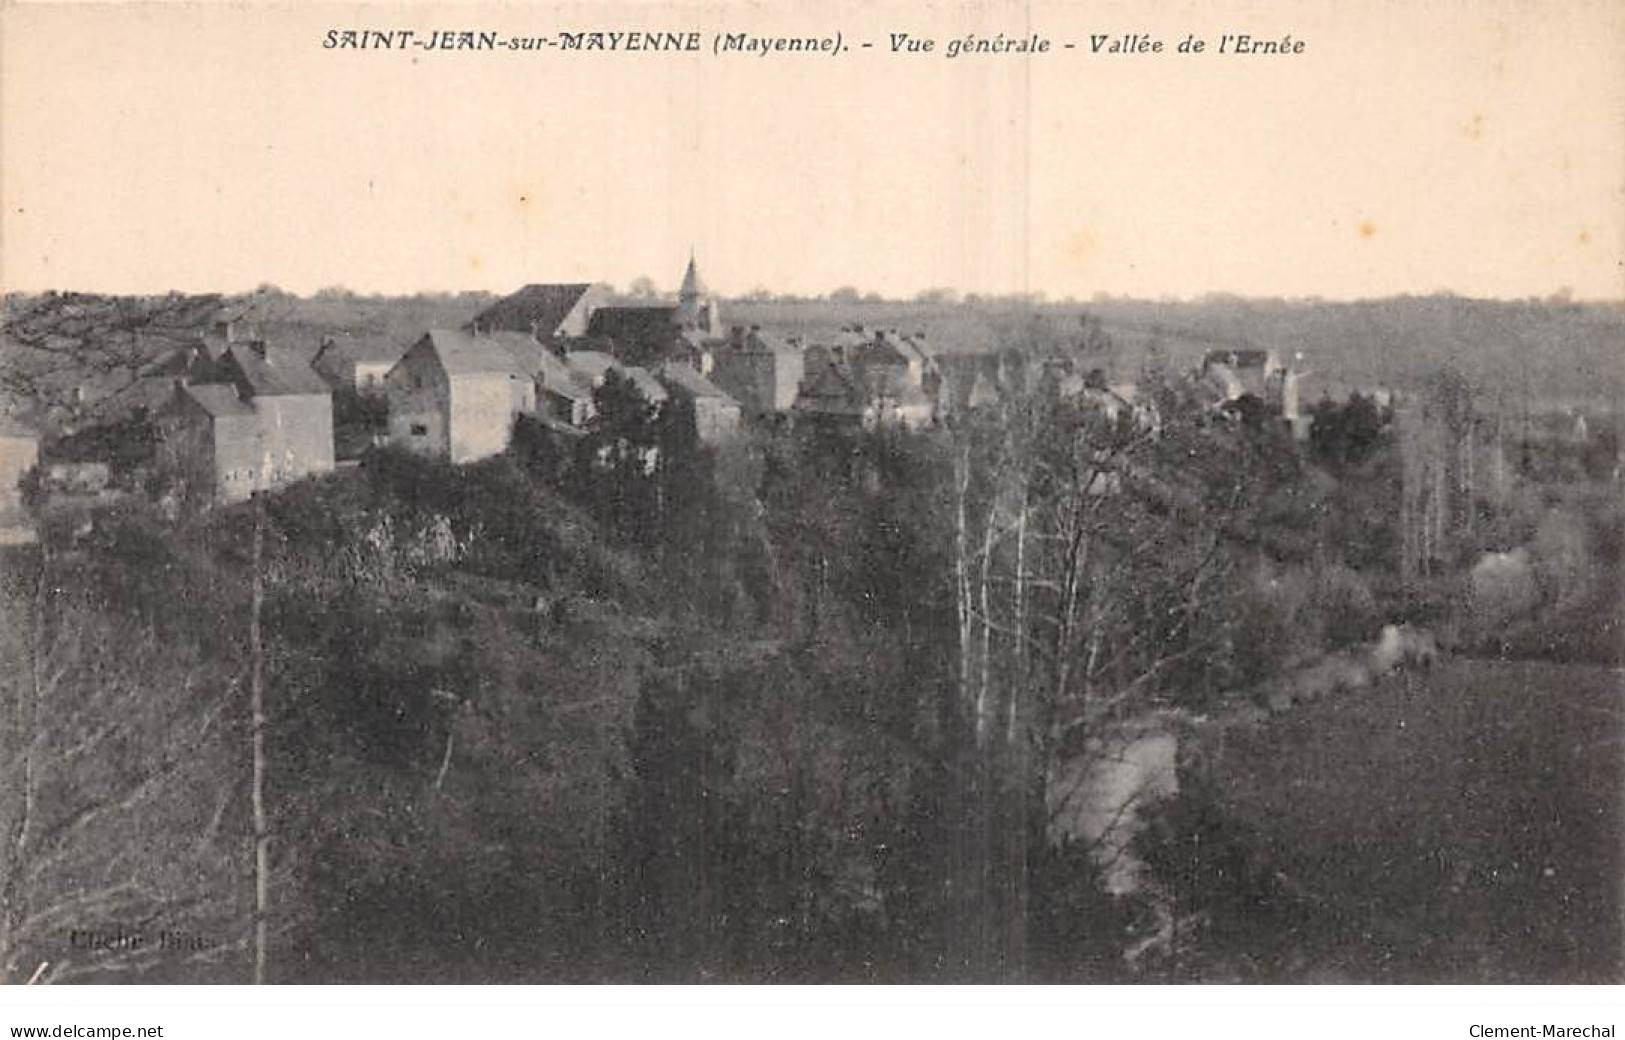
x=419, y=430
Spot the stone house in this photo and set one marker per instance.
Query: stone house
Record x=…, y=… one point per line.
x=563, y=394
x=885, y=380
x=252, y=419
x=357, y=362
x=455, y=394
x=1234, y=374
x=19, y=453
x=209, y=439
x=828, y=393
x=716, y=414
x=293, y=406
x=887, y=362
x=761, y=372
x=592, y=366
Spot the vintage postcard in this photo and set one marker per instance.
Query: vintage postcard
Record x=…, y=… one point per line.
x=754, y=492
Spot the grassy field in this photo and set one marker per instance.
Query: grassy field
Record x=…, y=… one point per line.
x=1463, y=825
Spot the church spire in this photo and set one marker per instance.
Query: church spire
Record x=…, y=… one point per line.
x=693, y=290
x=695, y=308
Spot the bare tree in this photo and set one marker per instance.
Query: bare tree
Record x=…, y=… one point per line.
x=1437, y=449
x=256, y=688
x=56, y=341
x=1090, y=553
x=116, y=796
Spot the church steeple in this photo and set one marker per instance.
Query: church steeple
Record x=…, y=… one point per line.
x=693, y=290
x=695, y=308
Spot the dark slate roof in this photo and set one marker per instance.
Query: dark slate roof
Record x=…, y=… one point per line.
x=218, y=400
x=635, y=324
x=463, y=353
x=539, y=307
x=279, y=372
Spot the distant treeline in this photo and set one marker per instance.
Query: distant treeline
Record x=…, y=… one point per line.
x=1541, y=354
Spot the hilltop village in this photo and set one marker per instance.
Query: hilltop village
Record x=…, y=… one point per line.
x=236, y=411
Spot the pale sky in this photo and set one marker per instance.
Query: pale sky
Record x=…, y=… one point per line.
x=1475, y=147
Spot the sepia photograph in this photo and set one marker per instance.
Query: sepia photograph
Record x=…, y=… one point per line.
x=643, y=493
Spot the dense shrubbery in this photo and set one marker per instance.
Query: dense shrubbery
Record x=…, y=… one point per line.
x=623, y=705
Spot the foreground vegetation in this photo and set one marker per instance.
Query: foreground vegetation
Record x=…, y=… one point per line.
x=789, y=710
x=1456, y=826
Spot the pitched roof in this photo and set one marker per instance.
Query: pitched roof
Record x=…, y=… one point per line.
x=647, y=384
x=830, y=390
x=525, y=352
x=590, y=364
x=915, y=349
x=463, y=353
x=692, y=286
x=366, y=349
x=755, y=341
x=889, y=348
x=276, y=372
x=540, y=308
x=690, y=382
x=218, y=400
x=634, y=324
x=550, y=372
x=593, y=365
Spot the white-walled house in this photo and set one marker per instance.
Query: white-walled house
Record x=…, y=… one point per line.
x=455, y=394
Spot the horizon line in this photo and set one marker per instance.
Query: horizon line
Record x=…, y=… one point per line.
x=944, y=296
